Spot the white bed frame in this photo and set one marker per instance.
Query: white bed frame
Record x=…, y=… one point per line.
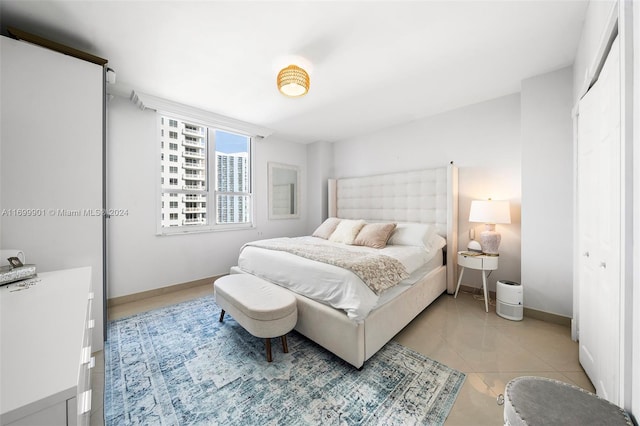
x=425, y=196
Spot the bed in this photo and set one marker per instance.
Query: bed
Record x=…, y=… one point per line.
x=419, y=197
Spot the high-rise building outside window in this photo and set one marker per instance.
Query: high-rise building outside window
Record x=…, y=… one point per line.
x=213, y=183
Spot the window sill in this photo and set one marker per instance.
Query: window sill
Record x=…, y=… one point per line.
x=183, y=230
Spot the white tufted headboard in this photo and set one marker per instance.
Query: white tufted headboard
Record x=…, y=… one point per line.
x=424, y=196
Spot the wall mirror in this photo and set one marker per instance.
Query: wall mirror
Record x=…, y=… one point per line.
x=283, y=191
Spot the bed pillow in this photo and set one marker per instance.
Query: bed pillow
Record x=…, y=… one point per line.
x=346, y=231
x=326, y=228
x=374, y=235
x=437, y=243
x=413, y=234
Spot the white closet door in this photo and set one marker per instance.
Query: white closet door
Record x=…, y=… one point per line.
x=587, y=218
x=599, y=207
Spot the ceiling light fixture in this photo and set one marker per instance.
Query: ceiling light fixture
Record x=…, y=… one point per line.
x=293, y=81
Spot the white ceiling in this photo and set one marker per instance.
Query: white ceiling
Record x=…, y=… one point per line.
x=372, y=64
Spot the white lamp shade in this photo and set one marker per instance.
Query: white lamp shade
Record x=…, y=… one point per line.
x=490, y=211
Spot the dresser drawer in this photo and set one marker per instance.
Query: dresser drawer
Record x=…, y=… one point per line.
x=47, y=392
x=481, y=262
x=82, y=402
x=474, y=262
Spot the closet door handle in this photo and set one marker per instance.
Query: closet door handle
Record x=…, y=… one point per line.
x=585, y=254
x=603, y=265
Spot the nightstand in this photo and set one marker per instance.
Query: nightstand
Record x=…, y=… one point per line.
x=480, y=262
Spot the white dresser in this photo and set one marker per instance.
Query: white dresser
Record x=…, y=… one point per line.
x=45, y=349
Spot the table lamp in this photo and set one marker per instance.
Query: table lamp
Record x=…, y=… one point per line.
x=490, y=212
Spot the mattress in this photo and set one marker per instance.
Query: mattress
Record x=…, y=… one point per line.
x=332, y=285
x=436, y=261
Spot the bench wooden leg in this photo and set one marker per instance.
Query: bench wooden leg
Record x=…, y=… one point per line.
x=285, y=348
x=267, y=342
x=221, y=315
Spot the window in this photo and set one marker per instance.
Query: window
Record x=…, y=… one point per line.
x=231, y=183
x=213, y=181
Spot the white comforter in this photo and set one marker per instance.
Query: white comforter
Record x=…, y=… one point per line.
x=337, y=287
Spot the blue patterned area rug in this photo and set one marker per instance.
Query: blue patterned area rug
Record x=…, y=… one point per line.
x=179, y=366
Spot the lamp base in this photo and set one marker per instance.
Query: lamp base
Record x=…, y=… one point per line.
x=490, y=240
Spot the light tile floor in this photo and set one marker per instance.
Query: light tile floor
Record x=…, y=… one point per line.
x=491, y=351
x=457, y=332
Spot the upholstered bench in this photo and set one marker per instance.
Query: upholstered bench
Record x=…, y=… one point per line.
x=541, y=401
x=263, y=309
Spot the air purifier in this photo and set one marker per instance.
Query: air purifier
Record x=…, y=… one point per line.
x=509, y=300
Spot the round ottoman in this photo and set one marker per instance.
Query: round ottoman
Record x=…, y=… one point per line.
x=263, y=309
x=541, y=401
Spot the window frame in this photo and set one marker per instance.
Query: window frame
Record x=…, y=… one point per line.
x=211, y=176
x=160, y=106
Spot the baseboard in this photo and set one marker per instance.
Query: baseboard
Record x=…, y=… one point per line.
x=115, y=301
x=528, y=312
x=548, y=317
x=477, y=290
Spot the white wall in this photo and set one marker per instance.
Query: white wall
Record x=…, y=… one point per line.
x=320, y=169
x=547, y=192
x=138, y=259
x=635, y=355
x=483, y=140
